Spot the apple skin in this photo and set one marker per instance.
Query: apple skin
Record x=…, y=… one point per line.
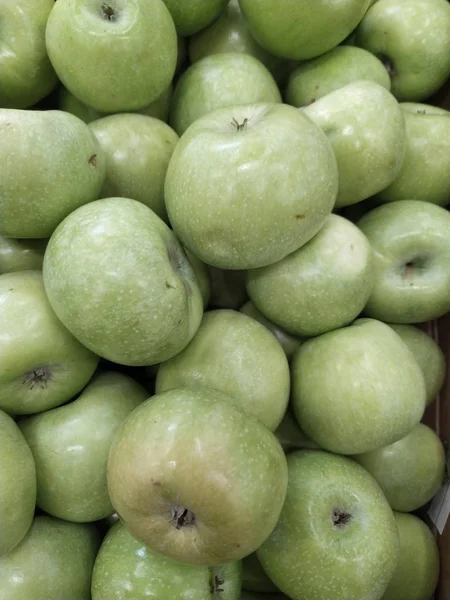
x=42, y=364
x=366, y=128
x=220, y=80
x=21, y=255
x=203, y=277
x=261, y=596
x=116, y=55
x=18, y=491
x=425, y=172
x=53, y=561
x=237, y=356
x=126, y=569
x=343, y=385
x=290, y=435
x=185, y=458
x=278, y=179
x=309, y=554
x=189, y=18
x=417, y=572
x=414, y=40
x=254, y=578
x=412, y=261
x=322, y=286
x=117, y=276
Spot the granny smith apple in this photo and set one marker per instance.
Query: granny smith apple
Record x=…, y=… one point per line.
x=185, y=479
x=323, y=285
x=190, y=17
x=202, y=273
x=417, y=571
x=290, y=436
x=261, y=596
x=21, y=255
x=119, y=280
x=301, y=30
x=413, y=40
x=409, y=471
x=366, y=128
x=53, y=561
x=41, y=364
x=18, y=488
x=227, y=288
x=277, y=176
x=425, y=172
x=137, y=151
x=236, y=355
x=114, y=55
x=126, y=569
x=70, y=445
x=336, y=537
x=254, y=577
x=51, y=165
x=411, y=246
x=357, y=388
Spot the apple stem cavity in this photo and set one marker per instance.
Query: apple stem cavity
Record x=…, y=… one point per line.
x=37, y=377
x=109, y=14
x=239, y=126
x=340, y=517
x=181, y=517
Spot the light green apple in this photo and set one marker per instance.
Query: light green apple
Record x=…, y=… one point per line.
x=203, y=276
x=41, y=364
x=277, y=176
x=70, y=445
x=301, y=30
x=21, y=255
x=18, y=485
x=411, y=245
x=126, y=569
x=254, y=577
x=425, y=172
x=290, y=435
x=344, y=383
x=366, y=128
x=413, y=40
x=113, y=55
x=53, y=561
x=64, y=169
x=227, y=288
x=323, y=285
x=137, y=149
x=409, y=471
x=261, y=596
x=417, y=572
x=120, y=281
x=185, y=479
x=336, y=537
x=193, y=16
x=235, y=355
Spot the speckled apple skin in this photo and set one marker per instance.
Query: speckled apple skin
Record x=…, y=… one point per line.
x=189, y=18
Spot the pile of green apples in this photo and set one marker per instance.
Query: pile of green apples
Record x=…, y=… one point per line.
x=222, y=224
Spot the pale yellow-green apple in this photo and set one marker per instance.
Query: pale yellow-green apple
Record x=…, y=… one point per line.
x=323, y=285
x=357, y=388
x=113, y=55
x=254, y=577
x=220, y=80
x=235, y=355
x=120, y=281
x=41, y=364
x=194, y=15
x=411, y=245
x=413, y=40
x=290, y=435
x=21, y=255
x=227, y=288
x=203, y=275
x=277, y=176
x=185, y=479
x=336, y=537
x=51, y=165
x=366, y=128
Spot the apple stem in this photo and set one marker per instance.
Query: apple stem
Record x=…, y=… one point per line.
x=39, y=376
x=215, y=583
x=108, y=12
x=340, y=517
x=239, y=126
x=182, y=517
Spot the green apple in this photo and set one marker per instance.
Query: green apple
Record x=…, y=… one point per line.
x=254, y=577
x=409, y=471
x=21, y=255
x=126, y=569
x=336, y=537
x=323, y=285
x=203, y=276
x=113, y=55
x=119, y=280
x=337, y=68
x=137, y=151
x=290, y=436
x=235, y=355
x=413, y=40
x=190, y=17
x=277, y=176
x=70, y=445
x=227, y=288
x=18, y=487
x=41, y=364
x=417, y=571
x=301, y=30
x=366, y=128
x=425, y=172
x=411, y=246
x=53, y=562
x=344, y=383
x=65, y=168
x=184, y=477
x=261, y=596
